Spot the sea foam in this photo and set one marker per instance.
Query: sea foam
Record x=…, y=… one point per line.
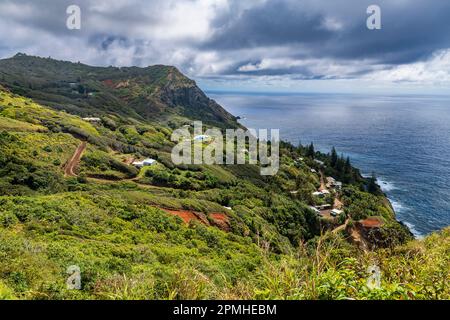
x=385, y=185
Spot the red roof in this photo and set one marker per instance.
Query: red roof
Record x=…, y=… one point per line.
x=371, y=222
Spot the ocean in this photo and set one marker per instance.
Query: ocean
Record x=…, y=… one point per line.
x=404, y=140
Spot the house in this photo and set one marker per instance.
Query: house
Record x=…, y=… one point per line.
x=332, y=183
x=321, y=193
x=321, y=163
x=317, y=211
x=90, y=119
x=317, y=194
x=323, y=206
x=144, y=163
x=336, y=212
x=371, y=223
x=313, y=171
x=202, y=138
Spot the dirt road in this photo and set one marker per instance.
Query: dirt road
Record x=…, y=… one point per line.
x=337, y=204
x=341, y=227
x=322, y=182
x=355, y=236
x=128, y=161
x=72, y=164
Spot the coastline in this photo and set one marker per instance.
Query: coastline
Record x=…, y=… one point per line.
x=385, y=187
x=406, y=225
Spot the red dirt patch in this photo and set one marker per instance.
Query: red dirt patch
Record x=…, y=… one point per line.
x=221, y=221
x=372, y=222
x=219, y=216
x=109, y=83
x=187, y=216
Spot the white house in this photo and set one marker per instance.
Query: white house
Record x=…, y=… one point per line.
x=144, y=163
x=313, y=171
x=91, y=119
x=317, y=211
x=321, y=193
x=319, y=162
x=338, y=185
x=336, y=212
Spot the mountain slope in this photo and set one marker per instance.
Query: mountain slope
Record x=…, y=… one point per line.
x=158, y=92
x=180, y=231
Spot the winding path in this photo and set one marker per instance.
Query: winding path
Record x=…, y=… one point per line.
x=354, y=234
x=341, y=227
x=322, y=182
x=72, y=164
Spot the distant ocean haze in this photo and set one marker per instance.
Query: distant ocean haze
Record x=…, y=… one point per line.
x=405, y=140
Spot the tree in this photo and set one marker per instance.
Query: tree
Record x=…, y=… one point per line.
x=334, y=157
x=372, y=186
x=347, y=166
x=340, y=163
x=311, y=152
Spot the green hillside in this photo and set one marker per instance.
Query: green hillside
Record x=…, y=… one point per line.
x=159, y=92
x=179, y=231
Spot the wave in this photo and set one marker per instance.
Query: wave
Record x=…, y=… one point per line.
x=413, y=230
x=385, y=185
x=398, y=208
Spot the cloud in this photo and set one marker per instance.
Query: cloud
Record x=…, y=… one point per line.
x=234, y=39
x=434, y=70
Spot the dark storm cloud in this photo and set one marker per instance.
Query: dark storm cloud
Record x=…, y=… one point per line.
x=273, y=23
x=300, y=39
x=411, y=30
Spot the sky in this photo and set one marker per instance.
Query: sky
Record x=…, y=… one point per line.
x=257, y=45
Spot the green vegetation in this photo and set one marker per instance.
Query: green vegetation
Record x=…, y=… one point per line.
x=110, y=218
x=100, y=164
x=157, y=93
x=131, y=250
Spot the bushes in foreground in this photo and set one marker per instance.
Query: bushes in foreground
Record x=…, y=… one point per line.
x=128, y=249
